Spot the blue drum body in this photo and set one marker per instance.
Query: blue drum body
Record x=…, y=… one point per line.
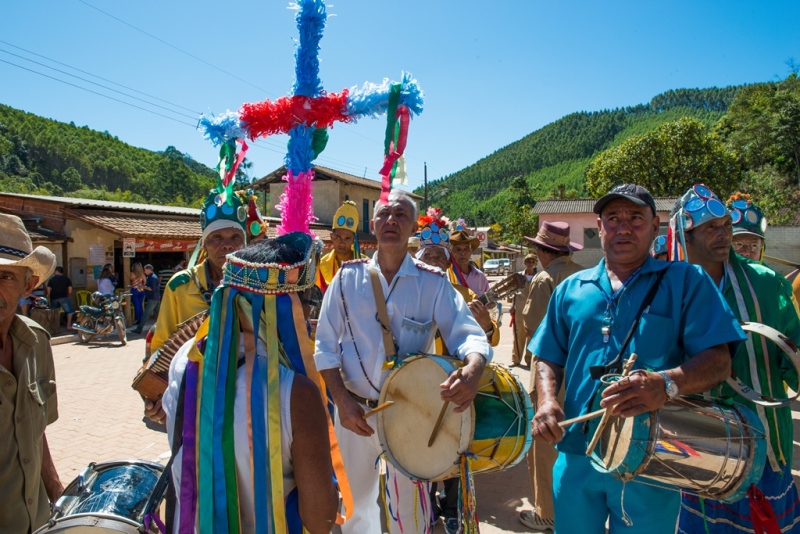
x=691, y=445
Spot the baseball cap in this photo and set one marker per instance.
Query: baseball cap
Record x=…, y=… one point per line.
x=635, y=193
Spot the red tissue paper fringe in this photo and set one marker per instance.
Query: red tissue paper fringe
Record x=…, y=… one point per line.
x=278, y=117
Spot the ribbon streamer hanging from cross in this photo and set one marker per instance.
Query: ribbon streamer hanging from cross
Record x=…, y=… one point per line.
x=306, y=115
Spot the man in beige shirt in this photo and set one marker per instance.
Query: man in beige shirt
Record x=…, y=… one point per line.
x=554, y=249
x=28, y=477
x=520, y=350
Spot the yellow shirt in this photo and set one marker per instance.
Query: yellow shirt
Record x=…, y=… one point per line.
x=328, y=266
x=182, y=300
x=28, y=403
x=468, y=295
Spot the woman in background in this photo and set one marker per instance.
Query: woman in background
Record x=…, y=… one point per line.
x=105, y=284
x=137, y=291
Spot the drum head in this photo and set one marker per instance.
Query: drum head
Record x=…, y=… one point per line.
x=405, y=427
x=90, y=525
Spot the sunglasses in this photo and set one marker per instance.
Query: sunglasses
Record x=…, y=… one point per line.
x=752, y=247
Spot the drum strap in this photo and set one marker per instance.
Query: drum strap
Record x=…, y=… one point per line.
x=615, y=366
x=389, y=343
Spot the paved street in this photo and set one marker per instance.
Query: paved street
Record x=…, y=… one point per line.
x=100, y=419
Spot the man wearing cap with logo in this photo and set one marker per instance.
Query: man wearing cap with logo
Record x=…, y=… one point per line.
x=28, y=401
x=519, y=350
x=703, y=230
x=554, y=249
x=344, y=237
x=679, y=327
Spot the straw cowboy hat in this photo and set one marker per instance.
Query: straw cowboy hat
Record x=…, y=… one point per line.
x=17, y=250
x=460, y=237
x=555, y=236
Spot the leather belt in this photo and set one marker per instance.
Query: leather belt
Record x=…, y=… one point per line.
x=369, y=403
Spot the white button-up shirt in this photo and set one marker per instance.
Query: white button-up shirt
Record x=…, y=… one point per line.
x=419, y=299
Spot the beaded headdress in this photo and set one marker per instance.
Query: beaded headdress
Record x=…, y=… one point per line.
x=346, y=218
x=746, y=216
x=433, y=229
x=697, y=206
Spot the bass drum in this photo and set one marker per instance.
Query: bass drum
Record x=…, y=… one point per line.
x=495, y=432
x=109, y=498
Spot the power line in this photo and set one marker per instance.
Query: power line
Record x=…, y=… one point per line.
x=182, y=51
x=98, y=84
x=96, y=93
x=100, y=77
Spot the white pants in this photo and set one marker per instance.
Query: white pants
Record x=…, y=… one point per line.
x=359, y=454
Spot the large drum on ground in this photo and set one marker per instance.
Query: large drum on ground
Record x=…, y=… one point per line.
x=109, y=498
x=689, y=444
x=494, y=431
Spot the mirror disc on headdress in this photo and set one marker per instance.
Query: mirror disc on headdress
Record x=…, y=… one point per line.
x=218, y=200
x=227, y=209
x=241, y=213
x=434, y=228
x=694, y=204
x=740, y=204
x=255, y=228
x=426, y=233
x=444, y=234
x=763, y=224
x=688, y=221
x=435, y=239
x=702, y=191
x=202, y=219
x=716, y=207
x=350, y=222
x=211, y=212
x=751, y=216
x=340, y=220
x=736, y=216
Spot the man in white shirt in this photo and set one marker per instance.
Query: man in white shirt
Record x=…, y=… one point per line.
x=351, y=356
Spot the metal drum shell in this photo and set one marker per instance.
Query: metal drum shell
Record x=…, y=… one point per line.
x=64, y=520
x=403, y=428
x=692, y=445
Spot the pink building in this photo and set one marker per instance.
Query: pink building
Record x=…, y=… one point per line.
x=583, y=223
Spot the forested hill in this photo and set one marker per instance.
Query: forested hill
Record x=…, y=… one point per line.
x=44, y=156
x=559, y=153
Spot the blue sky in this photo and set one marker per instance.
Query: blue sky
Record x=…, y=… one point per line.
x=492, y=72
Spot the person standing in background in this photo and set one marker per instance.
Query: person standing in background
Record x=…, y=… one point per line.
x=138, y=279
x=152, y=290
x=59, y=288
x=521, y=339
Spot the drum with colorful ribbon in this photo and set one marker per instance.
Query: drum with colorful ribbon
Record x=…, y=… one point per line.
x=494, y=433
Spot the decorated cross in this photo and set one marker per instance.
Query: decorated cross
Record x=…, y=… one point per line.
x=307, y=113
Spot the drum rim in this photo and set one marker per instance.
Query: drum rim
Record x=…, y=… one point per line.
x=463, y=445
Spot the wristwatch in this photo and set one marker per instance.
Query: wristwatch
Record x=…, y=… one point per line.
x=670, y=387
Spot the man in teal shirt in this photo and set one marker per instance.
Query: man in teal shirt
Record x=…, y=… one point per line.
x=758, y=294
x=685, y=332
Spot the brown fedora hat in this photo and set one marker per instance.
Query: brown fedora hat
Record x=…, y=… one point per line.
x=555, y=235
x=461, y=236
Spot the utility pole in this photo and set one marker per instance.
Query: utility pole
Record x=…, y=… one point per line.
x=425, y=200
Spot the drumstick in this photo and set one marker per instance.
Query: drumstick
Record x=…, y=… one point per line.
x=607, y=411
x=582, y=418
x=377, y=409
x=441, y=413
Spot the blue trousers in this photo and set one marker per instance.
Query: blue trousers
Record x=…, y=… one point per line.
x=137, y=296
x=584, y=498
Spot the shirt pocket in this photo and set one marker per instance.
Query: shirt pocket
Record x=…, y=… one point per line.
x=654, y=342
x=40, y=392
x=415, y=335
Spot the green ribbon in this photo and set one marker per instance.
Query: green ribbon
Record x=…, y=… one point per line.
x=319, y=141
x=392, y=126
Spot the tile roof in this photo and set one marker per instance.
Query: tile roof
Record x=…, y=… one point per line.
x=70, y=202
x=586, y=205
x=139, y=225
x=323, y=173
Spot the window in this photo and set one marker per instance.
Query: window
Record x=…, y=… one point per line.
x=591, y=238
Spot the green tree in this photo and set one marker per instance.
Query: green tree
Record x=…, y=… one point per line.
x=666, y=161
x=519, y=219
x=70, y=180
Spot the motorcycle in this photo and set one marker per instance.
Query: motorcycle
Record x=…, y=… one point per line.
x=103, y=318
